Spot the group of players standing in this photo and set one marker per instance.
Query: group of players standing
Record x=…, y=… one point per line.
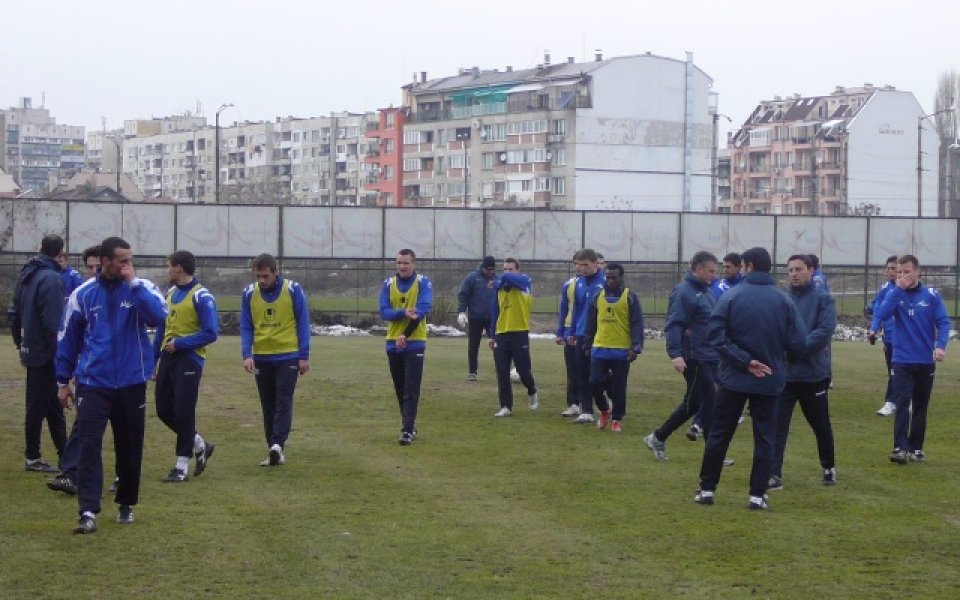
x=737, y=340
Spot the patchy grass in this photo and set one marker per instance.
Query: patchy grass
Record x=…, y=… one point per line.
x=525, y=507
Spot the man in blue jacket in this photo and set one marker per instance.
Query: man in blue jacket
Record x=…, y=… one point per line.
x=886, y=326
x=476, y=295
x=405, y=301
x=613, y=339
x=181, y=343
x=35, y=318
x=275, y=345
x=923, y=329
x=103, y=344
x=510, y=338
x=688, y=313
x=808, y=374
x=590, y=281
x=564, y=324
x=752, y=328
x=732, y=264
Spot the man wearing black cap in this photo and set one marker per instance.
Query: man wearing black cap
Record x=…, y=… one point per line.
x=477, y=295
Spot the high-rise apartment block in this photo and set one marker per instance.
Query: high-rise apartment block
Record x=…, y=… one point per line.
x=855, y=151
x=632, y=132
x=317, y=160
x=35, y=150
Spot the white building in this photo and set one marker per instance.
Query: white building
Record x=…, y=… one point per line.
x=626, y=133
x=35, y=150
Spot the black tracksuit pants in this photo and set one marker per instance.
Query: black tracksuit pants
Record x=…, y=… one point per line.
x=176, y=393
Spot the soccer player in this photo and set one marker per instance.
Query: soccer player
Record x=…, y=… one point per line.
x=732, y=264
x=477, y=295
x=275, y=345
x=181, y=343
x=752, y=327
x=34, y=320
x=71, y=278
x=688, y=313
x=819, y=278
x=103, y=344
x=590, y=280
x=510, y=342
x=886, y=326
x=564, y=330
x=405, y=301
x=613, y=338
x=920, y=342
x=808, y=374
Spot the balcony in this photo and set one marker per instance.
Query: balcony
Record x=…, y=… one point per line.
x=830, y=166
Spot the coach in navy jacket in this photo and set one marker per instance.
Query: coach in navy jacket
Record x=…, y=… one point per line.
x=753, y=327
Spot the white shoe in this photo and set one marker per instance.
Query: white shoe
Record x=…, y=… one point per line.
x=503, y=412
x=727, y=461
x=887, y=409
x=584, y=419
x=534, y=400
x=572, y=411
x=275, y=457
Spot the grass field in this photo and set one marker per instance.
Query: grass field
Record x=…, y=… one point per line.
x=525, y=507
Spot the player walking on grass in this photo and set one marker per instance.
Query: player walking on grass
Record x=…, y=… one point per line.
x=405, y=301
x=886, y=326
x=922, y=331
x=510, y=322
x=590, y=279
x=613, y=339
x=688, y=314
x=103, y=344
x=275, y=345
x=181, y=344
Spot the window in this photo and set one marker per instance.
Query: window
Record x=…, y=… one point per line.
x=456, y=188
x=521, y=127
x=542, y=184
x=388, y=147
x=411, y=137
x=427, y=190
x=486, y=189
x=494, y=133
x=457, y=161
x=559, y=157
x=388, y=173
x=488, y=158
x=296, y=137
x=390, y=120
x=411, y=164
x=558, y=127
x=559, y=186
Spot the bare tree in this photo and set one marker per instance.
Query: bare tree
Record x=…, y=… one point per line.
x=945, y=103
x=260, y=190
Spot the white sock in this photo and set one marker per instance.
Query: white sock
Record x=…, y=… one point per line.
x=757, y=499
x=198, y=444
x=87, y=513
x=183, y=463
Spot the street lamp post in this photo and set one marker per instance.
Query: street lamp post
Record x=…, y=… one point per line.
x=714, y=160
x=920, y=119
x=216, y=155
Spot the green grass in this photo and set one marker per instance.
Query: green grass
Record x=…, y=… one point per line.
x=526, y=507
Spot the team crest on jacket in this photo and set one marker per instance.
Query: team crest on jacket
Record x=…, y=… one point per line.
x=270, y=315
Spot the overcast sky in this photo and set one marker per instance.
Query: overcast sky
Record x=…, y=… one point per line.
x=126, y=59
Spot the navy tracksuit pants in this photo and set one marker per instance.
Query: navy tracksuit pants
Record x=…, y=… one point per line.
x=726, y=413
x=276, y=382
x=513, y=347
x=570, y=363
x=911, y=382
x=406, y=370
x=812, y=396
x=42, y=404
x=176, y=393
x=701, y=379
x=475, y=329
x=609, y=376
x=126, y=408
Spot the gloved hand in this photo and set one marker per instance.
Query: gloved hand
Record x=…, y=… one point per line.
x=462, y=319
x=872, y=338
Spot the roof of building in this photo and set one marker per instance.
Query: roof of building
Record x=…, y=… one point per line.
x=477, y=78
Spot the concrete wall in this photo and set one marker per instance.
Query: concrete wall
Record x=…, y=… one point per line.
x=243, y=231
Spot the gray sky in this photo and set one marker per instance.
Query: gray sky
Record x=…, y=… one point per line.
x=125, y=59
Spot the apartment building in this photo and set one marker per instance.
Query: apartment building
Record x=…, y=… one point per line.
x=290, y=160
x=855, y=151
x=104, y=151
x=625, y=133
x=384, y=157
x=36, y=151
